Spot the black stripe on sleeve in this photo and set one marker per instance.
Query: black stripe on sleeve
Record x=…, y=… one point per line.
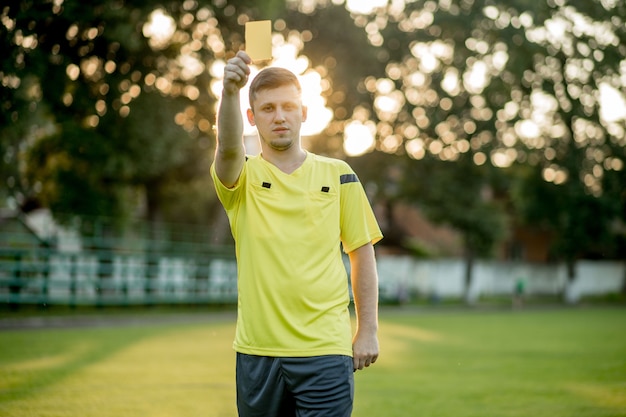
x=346, y=178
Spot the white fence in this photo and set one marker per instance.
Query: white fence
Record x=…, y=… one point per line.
x=401, y=276
x=78, y=278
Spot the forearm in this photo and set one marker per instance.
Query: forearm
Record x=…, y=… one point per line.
x=365, y=288
x=229, y=123
x=230, y=151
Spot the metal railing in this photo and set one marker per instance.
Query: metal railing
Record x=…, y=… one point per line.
x=115, y=271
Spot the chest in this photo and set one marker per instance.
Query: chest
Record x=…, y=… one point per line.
x=287, y=204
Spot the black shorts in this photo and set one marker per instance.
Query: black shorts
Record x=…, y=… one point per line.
x=285, y=387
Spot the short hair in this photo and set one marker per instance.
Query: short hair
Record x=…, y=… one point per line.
x=272, y=77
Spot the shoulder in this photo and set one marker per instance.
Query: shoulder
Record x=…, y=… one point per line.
x=253, y=163
x=332, y=163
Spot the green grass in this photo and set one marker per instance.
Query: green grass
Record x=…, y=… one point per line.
x=560, y=362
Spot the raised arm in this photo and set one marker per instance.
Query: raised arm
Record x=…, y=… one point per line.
x=365, y=289
x=230, y=152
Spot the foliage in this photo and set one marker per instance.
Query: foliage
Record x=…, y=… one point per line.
x=507, y=85
x=100, y=111
x=583, y=222
x=480, y=109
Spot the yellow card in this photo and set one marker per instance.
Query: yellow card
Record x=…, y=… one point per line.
x=259, y=40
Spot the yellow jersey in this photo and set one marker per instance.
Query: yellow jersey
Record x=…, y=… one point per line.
x=293, y=292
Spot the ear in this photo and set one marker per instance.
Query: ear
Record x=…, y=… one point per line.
x=250, y=115
x=305, y=111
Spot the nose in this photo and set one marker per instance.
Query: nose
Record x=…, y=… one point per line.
x=279, y=115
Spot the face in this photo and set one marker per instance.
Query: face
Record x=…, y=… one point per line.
x=278, y=114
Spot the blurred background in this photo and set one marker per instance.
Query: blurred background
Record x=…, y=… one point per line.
x=490, y=136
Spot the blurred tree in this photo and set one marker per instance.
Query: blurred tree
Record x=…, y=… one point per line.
x=460, y=195
x=583, y=226
x=109, y=105
x=106, y=104
x=503, y=84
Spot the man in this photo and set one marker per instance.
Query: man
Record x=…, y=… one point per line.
x=289, y=211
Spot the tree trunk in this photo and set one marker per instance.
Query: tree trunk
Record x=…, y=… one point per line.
x=571, y=295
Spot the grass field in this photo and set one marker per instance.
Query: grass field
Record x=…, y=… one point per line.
x=561, y=362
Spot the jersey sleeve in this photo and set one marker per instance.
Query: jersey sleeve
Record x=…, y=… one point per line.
x=358, y=223
x=229, y=197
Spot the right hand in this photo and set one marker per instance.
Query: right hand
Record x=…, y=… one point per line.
x=236, y=72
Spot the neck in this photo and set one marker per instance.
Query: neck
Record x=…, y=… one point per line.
x=286, y=160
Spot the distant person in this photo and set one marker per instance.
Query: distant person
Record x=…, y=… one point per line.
x=518, y=293
x=290, y=211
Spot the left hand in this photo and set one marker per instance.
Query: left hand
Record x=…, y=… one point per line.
x=364, y=349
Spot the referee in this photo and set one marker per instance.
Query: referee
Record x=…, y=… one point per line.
x=291, y=214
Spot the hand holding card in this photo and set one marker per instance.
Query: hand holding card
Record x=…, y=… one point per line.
x=259, y=40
